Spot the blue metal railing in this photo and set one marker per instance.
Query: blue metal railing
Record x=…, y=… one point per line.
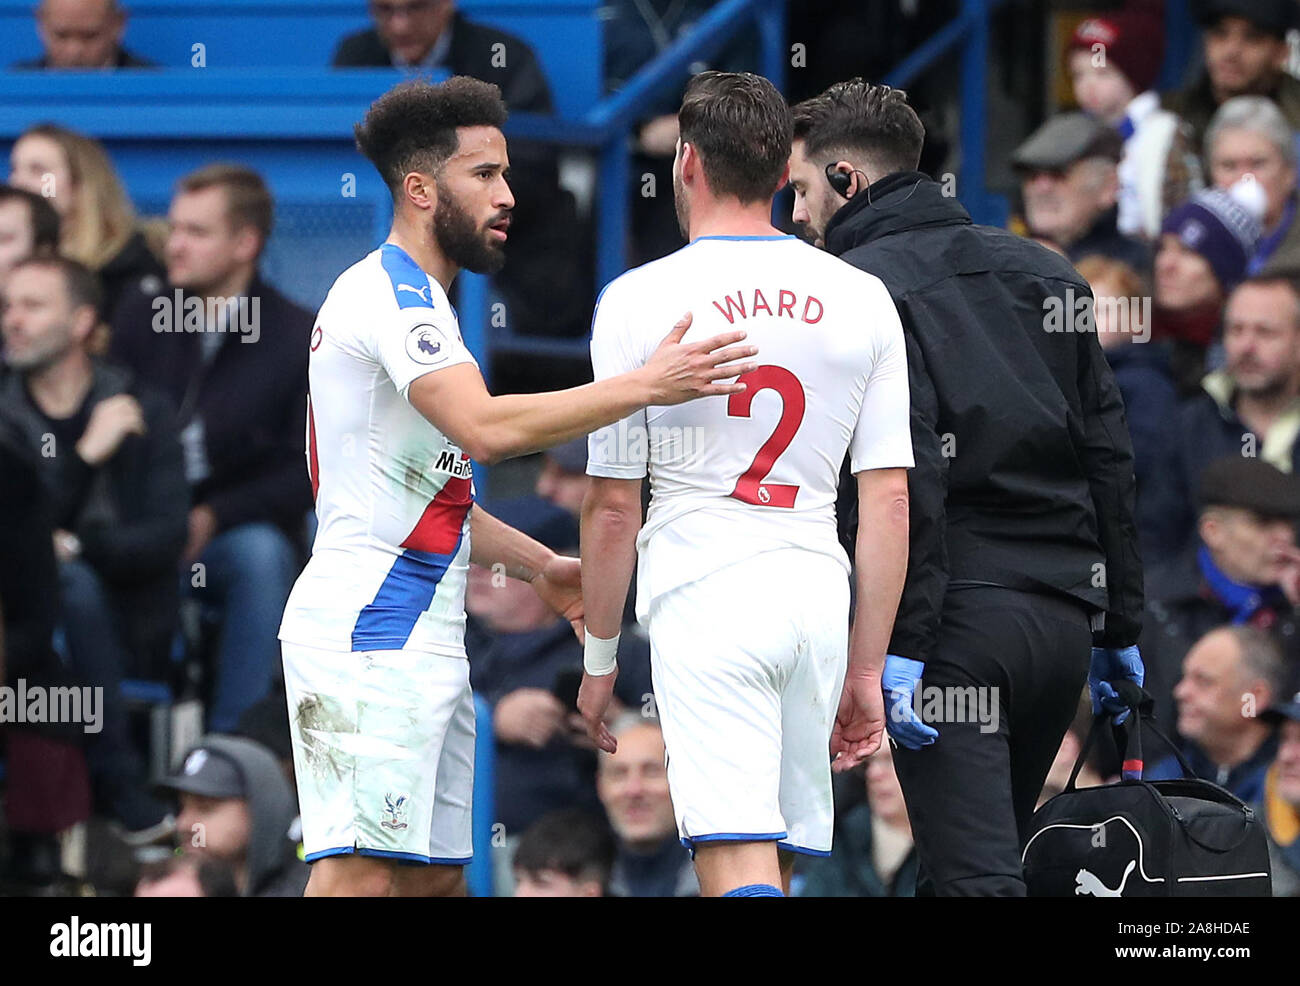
x=607, y=127
x=970, y=28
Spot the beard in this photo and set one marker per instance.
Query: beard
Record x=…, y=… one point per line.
x=681, y=208
x=463, y=243
x=1265, y=389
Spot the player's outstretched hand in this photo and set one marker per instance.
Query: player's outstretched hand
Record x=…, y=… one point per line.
x=679, y=372
x=860, y=722
x=559, y=584
x=594, y=696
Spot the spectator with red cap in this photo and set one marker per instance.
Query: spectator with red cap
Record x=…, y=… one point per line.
x=1113, y=61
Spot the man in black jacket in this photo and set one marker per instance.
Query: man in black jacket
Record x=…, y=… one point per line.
x=542, y=285
x=1022, y=547
x=231, y=352
x=112, y=474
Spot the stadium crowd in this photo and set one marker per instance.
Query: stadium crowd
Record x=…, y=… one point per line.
x=155, y=508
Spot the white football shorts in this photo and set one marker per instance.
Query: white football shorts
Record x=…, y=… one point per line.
x=383, y=750
x=748, y=663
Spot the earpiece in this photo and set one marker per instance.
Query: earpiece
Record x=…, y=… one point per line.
x=841, y=180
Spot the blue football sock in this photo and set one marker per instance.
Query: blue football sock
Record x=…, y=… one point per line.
x=755, y=890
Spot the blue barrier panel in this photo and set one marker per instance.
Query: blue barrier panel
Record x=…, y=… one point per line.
x=564, y=34
x=478, y=874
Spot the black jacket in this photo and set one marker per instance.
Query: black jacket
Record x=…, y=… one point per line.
x=251, y=398
x=132, y=267
x=129, y=514
x=123, y=59
x=29, y=583
x=1024, y=468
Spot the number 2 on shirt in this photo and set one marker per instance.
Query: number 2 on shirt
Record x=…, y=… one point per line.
x=750, y=486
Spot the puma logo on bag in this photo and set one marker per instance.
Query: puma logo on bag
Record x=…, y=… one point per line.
x=1088, y=883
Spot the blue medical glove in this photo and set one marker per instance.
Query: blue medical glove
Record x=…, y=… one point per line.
x=1112, y=664
x=898, y=682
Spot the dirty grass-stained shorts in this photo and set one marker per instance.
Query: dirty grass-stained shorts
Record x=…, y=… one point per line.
x=383, y=749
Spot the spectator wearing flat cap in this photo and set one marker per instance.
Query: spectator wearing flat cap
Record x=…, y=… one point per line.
x=1241, y=568
x=1204, y=248
x=236, y=806
x=1245, y=54
x=1114, y=59
x=1070, y=185
x=1281, y=805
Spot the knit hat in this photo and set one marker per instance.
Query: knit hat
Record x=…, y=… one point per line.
x=1221, y=227
x=1131, y=40
x=1274, y=16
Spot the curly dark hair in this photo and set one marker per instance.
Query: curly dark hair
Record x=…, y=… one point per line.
x=855, y=116
x=412, y=127
x=740, y=125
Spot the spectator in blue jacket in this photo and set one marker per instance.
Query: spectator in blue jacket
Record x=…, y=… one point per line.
x=1230, y=676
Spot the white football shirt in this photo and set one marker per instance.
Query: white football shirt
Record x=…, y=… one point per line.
x=393, y=494
x=734, y=476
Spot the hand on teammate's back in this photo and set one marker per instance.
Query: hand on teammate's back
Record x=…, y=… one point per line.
x=681, y=371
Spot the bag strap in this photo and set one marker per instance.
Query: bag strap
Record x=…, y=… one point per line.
x=1141, y=704
x=1097, y=722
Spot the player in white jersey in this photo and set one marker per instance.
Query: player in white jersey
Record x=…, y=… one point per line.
x=381, y=715
x=740, y=577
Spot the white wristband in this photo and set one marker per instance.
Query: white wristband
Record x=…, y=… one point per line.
x=599, y=657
